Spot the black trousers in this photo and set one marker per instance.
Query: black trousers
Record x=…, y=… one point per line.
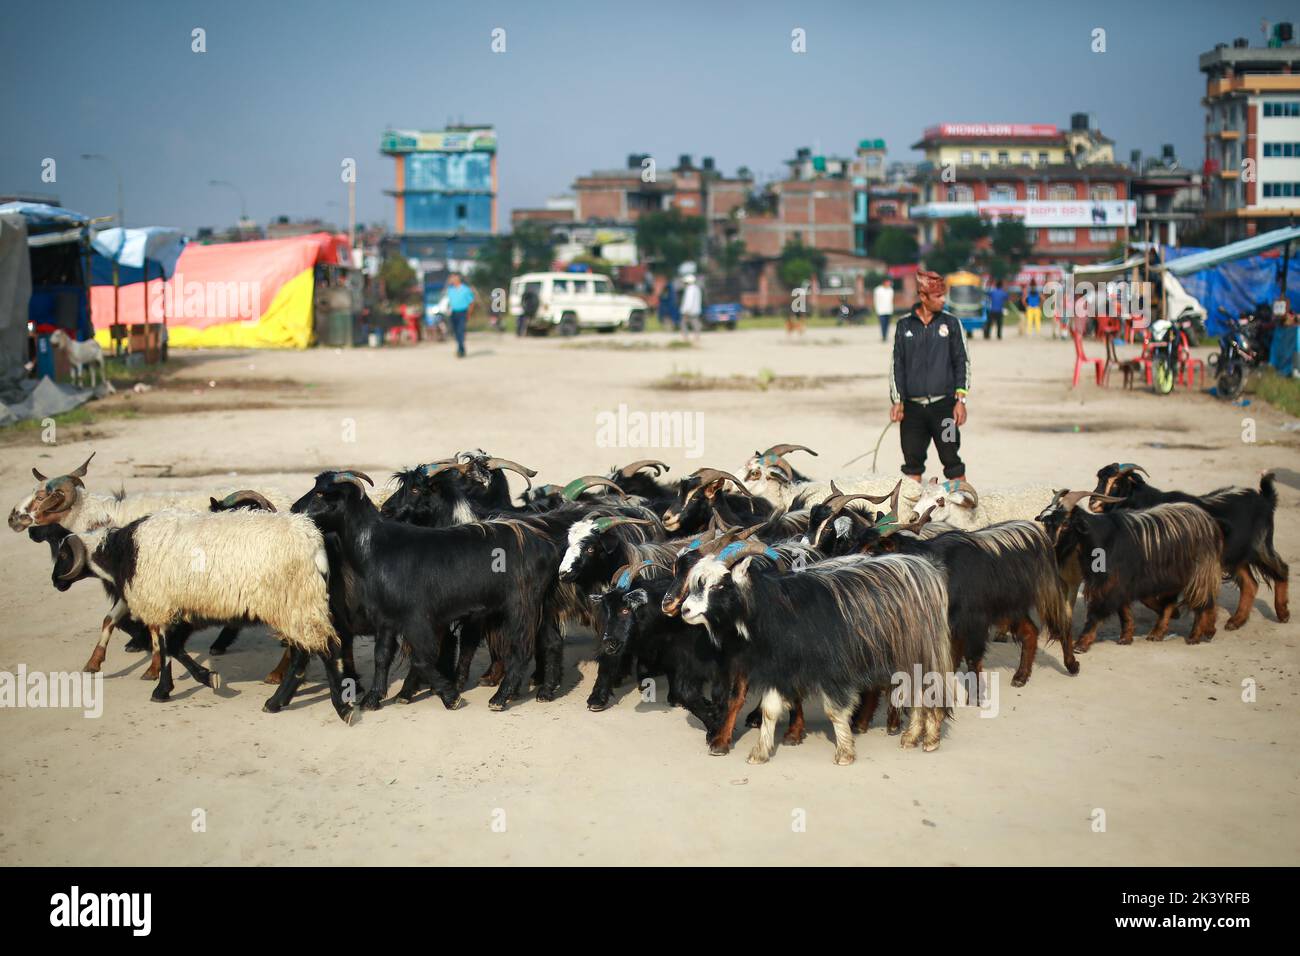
x=920, y=424
x=988, y=323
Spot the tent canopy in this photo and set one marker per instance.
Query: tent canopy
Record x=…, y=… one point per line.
x=1209, y=258
x=158, y=245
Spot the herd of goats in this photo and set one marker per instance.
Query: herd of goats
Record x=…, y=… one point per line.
x=766, y=581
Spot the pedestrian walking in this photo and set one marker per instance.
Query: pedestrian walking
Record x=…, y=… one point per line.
x=883, y=299
x=928, y=381
x=668, y=306
x=460, y=300
x=997, y=297
x=692, y=307
x=1032, y=300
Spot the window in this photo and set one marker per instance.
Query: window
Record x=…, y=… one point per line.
x=1103, y=193
x=1287, y=150
x=1103, y=235
x=560, y=285
x=1285, y=108
x=1031, y=192
x=1281, y=190
x=965, y=157
x=1002, y=192
x=1042, y=158
x=886, y=210
x=1061, y=236
x=580, y=286
x=602, y=286
x=984, y=158
x=1031, y=236
x=1061, y=193
x=1025, y=160
x=461, y=211
x=1003, y=157
x=960, y=193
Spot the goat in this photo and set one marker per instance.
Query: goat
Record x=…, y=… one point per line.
x=768, y=466
x=199, y=569
x=703, y=493
x=841, y=627
x=1154, y=556
x=1244, y=517
x=415, y=581
x=81, y=356
x=632, y=478
x=630, y=623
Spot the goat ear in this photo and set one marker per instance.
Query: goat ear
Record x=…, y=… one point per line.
x=637, y=598
x=214, y=504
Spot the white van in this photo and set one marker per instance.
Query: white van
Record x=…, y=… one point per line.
x=573, y=300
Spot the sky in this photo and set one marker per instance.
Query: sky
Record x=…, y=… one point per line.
x=286, y=91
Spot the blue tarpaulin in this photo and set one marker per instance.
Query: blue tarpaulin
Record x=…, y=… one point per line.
x=161, y=246
x=1238, y=285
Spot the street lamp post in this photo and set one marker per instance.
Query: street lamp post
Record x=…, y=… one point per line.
x=121, y=224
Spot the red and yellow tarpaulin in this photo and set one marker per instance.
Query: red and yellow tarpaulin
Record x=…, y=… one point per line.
x=236, y=294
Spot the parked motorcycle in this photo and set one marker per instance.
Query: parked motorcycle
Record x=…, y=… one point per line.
x=1171, y=339
x=1243, y=347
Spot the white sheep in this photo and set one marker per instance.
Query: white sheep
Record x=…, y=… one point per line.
x=203, y=567
x=81, y=355
x=957, y=503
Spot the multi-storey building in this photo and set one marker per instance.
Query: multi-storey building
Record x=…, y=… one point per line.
x=445, y=189
x=1063, y=184
x=1252, y=134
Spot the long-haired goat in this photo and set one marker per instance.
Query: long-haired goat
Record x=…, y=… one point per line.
x=1244, y=517
x=838, y=627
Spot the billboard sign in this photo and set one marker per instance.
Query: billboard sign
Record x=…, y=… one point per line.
x=438, y=141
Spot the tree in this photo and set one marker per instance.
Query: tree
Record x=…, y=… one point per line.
x=668, y=239
x=799, y=263
x=960, y=237
x=527, y=249
x=895, y=246
x=1010, y=248
x=396, y=275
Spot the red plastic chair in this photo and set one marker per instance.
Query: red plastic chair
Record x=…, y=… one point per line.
x=1080, y=360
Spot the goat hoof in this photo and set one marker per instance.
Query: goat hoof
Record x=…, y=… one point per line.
x=843, y=759
x=270, y=707
x=1232, y=625
x=489, y=679
x=596, y=706
x=754, y=718
x=214, y=680
x=1124, y=640
x=930, y=747
x=159, y=697
x=151, y=674
x=348, y=715
x=496, y=706
x=719, y=750
x=1283, y=616
x=1072, y=667
x=792, y=740
x=371, y=702
x=1081, y=648
x=1155, y=637
x=454, y=703
x=547, y=693
x=1019, y=680
x=757, y=756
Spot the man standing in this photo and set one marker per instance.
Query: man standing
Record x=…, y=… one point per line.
x=997, y=305
x=884, y=303
x=460, y=299
x=692, y=306
x=928, y=381
x=1033, y=303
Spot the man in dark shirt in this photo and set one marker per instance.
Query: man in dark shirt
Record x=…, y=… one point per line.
x=928, y=381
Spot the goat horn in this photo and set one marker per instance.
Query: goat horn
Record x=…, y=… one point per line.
x=782, y=450
x=1127, y=467
x=435, y=467
x=39, y=476
x=604, y=524
x=79, y=557
x=579, y=485
x=708, y=476
x=1071, y=498
x=352, y=478
x=81, y=470
x=627, y=471
x=495, y=463
x=247, y=495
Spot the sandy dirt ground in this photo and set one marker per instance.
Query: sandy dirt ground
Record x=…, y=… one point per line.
x=1156, y=736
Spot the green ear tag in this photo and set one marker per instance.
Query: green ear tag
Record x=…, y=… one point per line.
x=573, y=489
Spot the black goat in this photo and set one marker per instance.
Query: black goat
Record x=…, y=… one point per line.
x=1244, y=517
x=703, y=496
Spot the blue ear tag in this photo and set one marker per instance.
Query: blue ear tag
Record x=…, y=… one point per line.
x=624, y=579
x=771, y=553
x=695, y=543
x=950, y=486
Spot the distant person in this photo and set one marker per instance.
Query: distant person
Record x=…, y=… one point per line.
x=997, y=297
x=1032, y=300
x=883, y=297
x=460, y=300
x=692, y=307
x=668, y=306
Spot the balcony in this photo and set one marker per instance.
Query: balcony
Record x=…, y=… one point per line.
x=1253, y=83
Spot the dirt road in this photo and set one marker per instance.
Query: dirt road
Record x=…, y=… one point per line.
x=1148, y=756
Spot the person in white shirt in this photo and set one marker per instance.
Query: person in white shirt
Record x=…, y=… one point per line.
x=883, y=295
x=692, y=306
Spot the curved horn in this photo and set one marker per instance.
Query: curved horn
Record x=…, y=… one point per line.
x=1072, y=498
x=39, y=476
x=1128, y=467
x=81, y=469
x=627, y=471
x=247, y=495
x=576, y=487
x=79, y=557
x=708, y=476
x=782, y=450
x=434, y=467
x=508, y=465
x=352, y=478
x=604, y=524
